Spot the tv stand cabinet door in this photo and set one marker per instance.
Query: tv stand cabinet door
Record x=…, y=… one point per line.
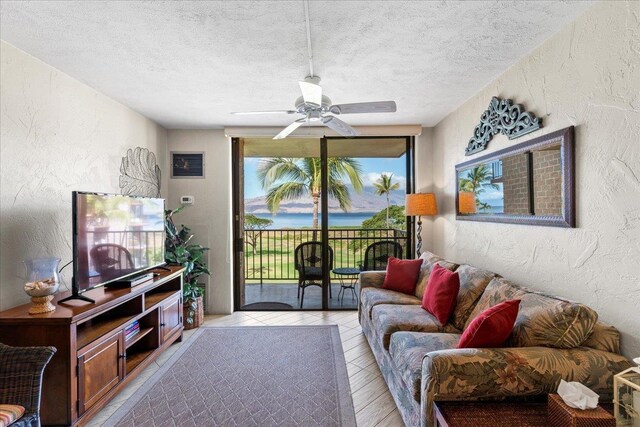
x=100, y=368
x=171, y=317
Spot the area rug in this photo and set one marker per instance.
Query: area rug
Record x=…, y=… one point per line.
x=267, y=305
x=247, y=376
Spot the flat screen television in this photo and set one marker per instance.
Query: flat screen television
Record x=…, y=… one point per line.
x=115, y=237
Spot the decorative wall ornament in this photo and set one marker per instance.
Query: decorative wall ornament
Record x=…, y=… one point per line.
x=502, y=116
x=140, y=174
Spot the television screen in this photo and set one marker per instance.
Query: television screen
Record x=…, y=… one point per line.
x=114, y=237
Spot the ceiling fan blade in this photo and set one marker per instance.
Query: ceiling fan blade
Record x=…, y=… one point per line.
x=364, y=107
x=339, y=126
x=312, y=93
x=238, y=113
x=293, y=126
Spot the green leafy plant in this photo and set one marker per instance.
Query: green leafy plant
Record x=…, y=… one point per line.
x=394, y=216
x=179, y=250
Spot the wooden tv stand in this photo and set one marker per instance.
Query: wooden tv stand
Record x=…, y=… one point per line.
x=94, y=361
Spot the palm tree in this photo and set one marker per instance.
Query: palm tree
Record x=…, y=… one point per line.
x=291, y=179
x=384, y=186
x=477, y=179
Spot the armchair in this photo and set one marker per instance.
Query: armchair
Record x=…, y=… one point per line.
x=21, y=370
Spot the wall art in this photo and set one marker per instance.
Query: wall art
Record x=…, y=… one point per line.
x=140, y=174
x=502, y=116
x=187, y=164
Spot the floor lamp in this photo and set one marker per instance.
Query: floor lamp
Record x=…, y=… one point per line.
x=421, y=204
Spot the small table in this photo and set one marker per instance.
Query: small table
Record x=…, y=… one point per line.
x=348, y=277
x=492, y=414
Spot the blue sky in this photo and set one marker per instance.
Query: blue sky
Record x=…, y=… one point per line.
x=372, y=168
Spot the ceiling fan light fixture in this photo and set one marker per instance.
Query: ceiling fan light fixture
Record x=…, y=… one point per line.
x=313, y=104
x=314, y=116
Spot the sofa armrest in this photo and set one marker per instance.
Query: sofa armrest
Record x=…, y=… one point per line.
x=372, y=279
x=472, y=374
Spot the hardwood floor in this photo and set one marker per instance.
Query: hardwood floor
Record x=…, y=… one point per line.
x=374, y=405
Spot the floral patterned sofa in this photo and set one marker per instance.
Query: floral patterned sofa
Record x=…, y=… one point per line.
x=552, y=339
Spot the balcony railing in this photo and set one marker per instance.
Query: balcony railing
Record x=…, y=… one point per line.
x=269, y=254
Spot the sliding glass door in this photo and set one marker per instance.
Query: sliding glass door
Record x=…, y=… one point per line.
x=310, y=214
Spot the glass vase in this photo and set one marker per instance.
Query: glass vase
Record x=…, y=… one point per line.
x=43, y=281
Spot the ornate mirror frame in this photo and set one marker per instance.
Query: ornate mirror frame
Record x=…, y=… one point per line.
x=565, y=137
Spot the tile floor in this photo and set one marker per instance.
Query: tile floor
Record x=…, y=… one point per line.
x=372, y=401
x=288, y=294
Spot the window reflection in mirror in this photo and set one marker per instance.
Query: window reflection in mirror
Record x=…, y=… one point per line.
x=528, y=183
x=482, y=185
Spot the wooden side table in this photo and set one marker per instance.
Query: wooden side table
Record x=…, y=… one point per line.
x=493, y=414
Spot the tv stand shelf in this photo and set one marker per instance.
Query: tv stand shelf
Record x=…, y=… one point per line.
x=94, y=361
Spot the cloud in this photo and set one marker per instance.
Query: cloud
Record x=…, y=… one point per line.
x=371, y=177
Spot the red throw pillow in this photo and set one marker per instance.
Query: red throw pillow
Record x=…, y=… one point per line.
x=441, y=294
x=402, y=275
x=492, y=327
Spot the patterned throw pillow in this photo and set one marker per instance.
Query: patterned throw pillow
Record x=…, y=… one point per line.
x=10, y=414
x=542, y=320
x=473, y=282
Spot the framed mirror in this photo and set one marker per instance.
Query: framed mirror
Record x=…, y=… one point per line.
x=528, y=183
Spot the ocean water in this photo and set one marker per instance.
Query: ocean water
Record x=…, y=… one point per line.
x=301, y=220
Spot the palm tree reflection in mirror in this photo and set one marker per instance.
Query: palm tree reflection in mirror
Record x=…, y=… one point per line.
x=476, y=180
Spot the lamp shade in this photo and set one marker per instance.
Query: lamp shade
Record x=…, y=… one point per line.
x=467, y=202
x=420, y=204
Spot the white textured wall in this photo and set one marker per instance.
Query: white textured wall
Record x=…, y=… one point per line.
x=210, y=217
x=588, y=75
x=57, y=135
x=425, y=181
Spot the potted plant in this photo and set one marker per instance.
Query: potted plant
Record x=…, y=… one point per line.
x=179, y=250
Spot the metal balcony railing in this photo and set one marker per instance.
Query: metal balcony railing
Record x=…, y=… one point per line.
x=269, y=254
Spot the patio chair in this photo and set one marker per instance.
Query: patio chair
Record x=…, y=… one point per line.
x=308, y=263
x=21, y=370
x=377, y=254
x=110, y=258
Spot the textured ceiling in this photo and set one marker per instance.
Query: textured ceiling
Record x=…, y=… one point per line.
x=188, y=64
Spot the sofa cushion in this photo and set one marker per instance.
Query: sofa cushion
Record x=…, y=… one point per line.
x=388, y=319
x=441, y=294
x=370, y=297
x=542, y=320
x=604, y=337
x=407, y=349
x=10, y=414
x=492, y=327
x=402, y=275
x=473, y=282
x=428, y=261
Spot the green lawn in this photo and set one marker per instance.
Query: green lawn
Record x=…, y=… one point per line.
x=274, y=250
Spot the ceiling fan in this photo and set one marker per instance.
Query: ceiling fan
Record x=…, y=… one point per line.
x=316, y=107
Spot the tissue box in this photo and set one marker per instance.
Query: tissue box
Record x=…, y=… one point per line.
x=561, y=415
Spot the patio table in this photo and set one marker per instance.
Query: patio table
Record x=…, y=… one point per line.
x=348, y=277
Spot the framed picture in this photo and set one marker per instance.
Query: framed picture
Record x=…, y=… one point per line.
x=187, y=164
